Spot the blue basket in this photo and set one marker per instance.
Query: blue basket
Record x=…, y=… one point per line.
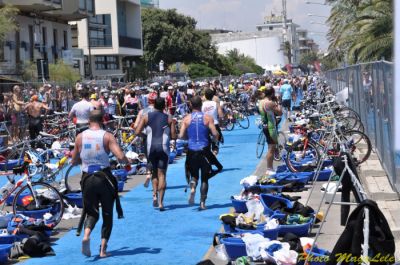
x=228, y=228
x=120, y=174
x=323, y=175
x=133, y=170
x=121, y=186
x=270, y=233
x=37, y=214
x=327, y=163
x=267, y=200
x=302, y=177
x=7, y=239
x=10, y=199
x=282, y=168
x=179, y=151
x=4, y=251
x=75, y=198
x=235, y=247
x=268, y=188
x=172, y=156
x=298, y=230
x=11, y=163
x=239, y=205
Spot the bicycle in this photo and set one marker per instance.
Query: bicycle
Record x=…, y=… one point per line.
x=31, y=198
x=280, y=147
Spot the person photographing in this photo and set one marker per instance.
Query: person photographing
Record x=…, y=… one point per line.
x=99, y=186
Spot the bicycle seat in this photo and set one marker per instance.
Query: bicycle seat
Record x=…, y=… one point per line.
x=48, y=135
x=117, y=117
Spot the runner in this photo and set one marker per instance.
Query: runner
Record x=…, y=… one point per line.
x=81, y=111
x=286, y=92
x=159, y=129
x=97, y=188
x=150, y=108
x=198, y=126
x=268, y=108
x=213, y=109
x=34, y=109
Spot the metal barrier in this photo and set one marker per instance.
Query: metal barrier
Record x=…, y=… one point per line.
x=371, y=89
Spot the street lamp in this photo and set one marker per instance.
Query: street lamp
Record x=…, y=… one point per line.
x=315, y=3
x=313, y=15
x=255, y=44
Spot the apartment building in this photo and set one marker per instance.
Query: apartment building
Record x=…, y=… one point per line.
x=111, y=40
x=150, y=3
x=306, y=44
x=43, y=33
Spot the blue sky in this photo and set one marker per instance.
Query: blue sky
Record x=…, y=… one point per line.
x=245, y=14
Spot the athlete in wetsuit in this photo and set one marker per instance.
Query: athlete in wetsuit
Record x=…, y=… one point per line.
x=159, y=129
x=92, y=148
x=34, y=109
x=197, y=126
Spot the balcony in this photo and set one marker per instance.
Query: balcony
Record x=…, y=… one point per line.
x=34, y=5
x=128, y=42
x=74, y=10
x=102, y=42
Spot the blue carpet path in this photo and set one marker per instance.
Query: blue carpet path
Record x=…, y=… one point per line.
x=181, y=234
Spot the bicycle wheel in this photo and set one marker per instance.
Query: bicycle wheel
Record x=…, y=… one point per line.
x=260, y=144
x=280, y=147
x=38, y=199
x=229, y=125
x=72, y=179
x=301, y=158
x=358, y=144
x=243, y=121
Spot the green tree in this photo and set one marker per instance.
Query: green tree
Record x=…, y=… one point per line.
x=201, y=70
x=61, y=72
x=172, y=37
x=7, y=20
x=308, y=58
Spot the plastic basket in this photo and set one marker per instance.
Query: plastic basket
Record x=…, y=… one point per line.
x=172, y=156
x=75, y=199
x=239, y=205
x=323, y=175
x=10, y=164
x=179, y=151
x=267, y=200
x=37, y=214
x=299, y=230
x=10, y=199
x=7, y=239
x=270, y=233
x=235, y=247
x=120, y=186
x=4, y=251
x=120, y=174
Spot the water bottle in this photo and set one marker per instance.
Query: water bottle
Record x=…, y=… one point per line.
x=7, y=188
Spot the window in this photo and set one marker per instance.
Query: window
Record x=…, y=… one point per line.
x=31, y=42
x=82, y=4
x=100, y=31
x=17, y=45
x=107, y=62
x=44, y=42
x=2, y=51
x=90, y=6
x=55, y=44
x=65, y=40
x=74, y=36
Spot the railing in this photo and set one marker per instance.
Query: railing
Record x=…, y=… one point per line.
x=371, y=89
x=101, y=42
x=129, y=42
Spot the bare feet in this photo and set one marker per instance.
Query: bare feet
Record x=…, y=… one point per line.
x=202, y=206
x=86, y=247
x=103, y=252
x=146, y=182
x=155, y=201
x=192, y=195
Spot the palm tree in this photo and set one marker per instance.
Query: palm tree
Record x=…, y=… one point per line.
x=362, y=29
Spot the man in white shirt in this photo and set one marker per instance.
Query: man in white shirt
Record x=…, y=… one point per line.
x=81, y=110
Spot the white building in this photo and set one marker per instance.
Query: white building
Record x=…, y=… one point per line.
x=111, y=40
x=43, y=32
x=265, y=48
